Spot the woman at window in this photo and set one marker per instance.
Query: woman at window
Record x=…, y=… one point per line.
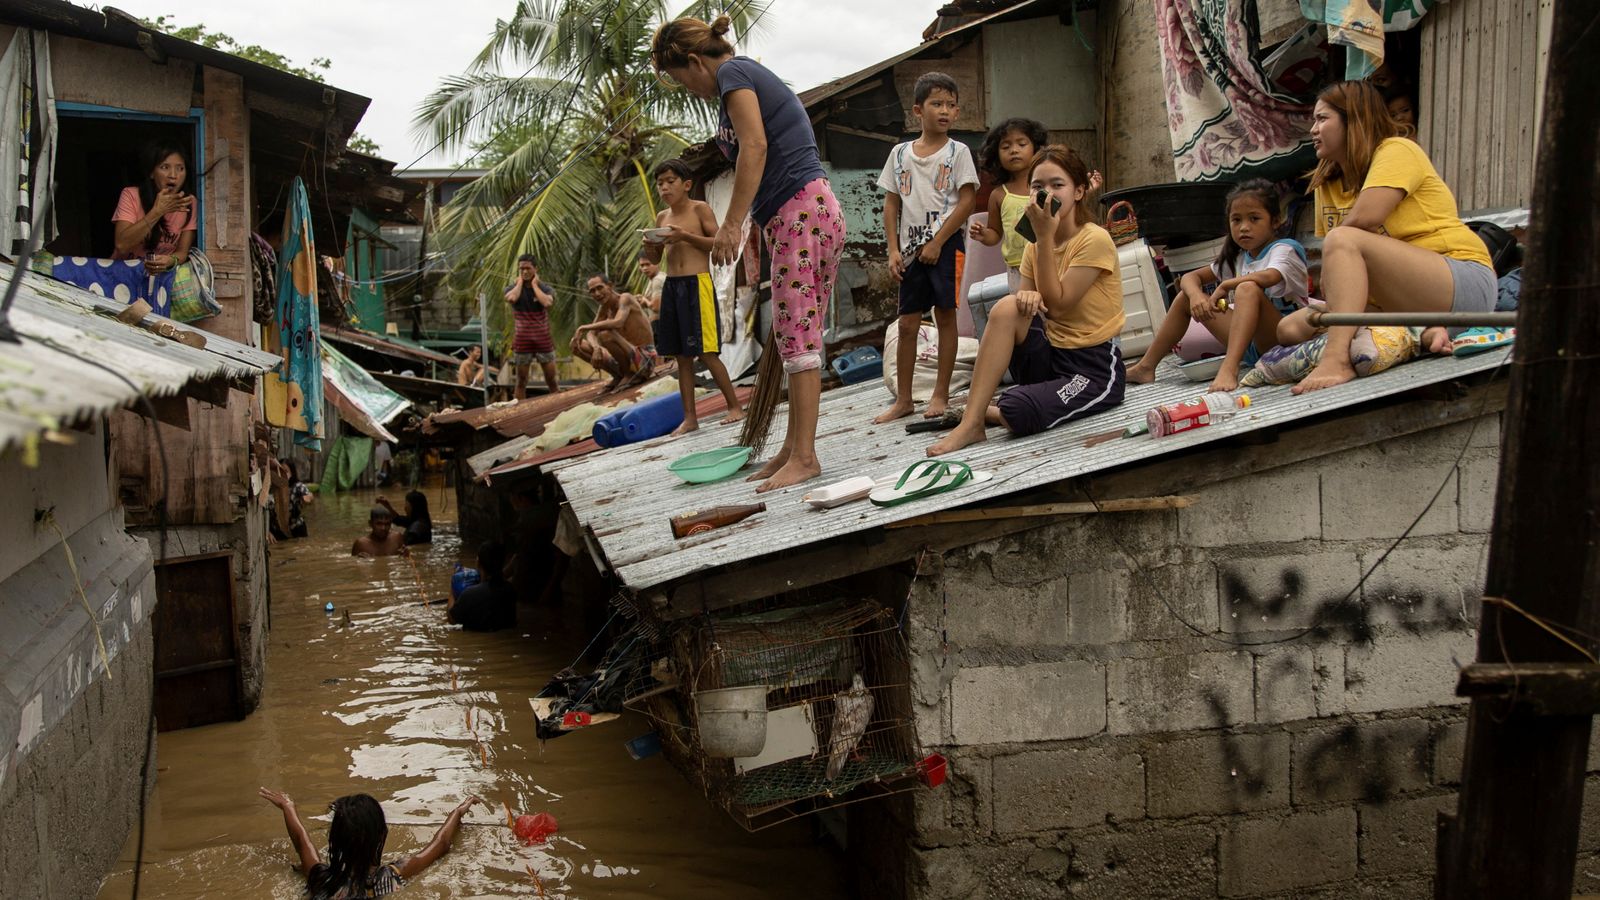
x=155, y=219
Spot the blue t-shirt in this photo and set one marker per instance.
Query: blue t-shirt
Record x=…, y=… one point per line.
x=792, y=161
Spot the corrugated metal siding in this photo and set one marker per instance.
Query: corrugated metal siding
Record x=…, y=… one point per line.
x=626, y=495
x=40, y=386
x=1481, y=70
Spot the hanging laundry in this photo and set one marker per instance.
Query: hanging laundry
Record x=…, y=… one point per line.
x=1356, y=25
x=1222, y=109
x=121, y=280
x=28, y=145
x=295, y=400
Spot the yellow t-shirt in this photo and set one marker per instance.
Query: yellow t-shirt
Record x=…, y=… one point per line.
x=1012, y=208
x=1427, y=217
x=1098, y=316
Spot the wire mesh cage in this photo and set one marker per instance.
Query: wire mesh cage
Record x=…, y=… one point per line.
x=837, y=707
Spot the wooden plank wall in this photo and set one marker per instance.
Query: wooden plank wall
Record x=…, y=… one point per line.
x=208, y=465
x=1481, y=67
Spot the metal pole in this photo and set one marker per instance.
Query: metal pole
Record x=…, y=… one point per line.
x=1516, y=830
x=1320, y=319
x=483, y=339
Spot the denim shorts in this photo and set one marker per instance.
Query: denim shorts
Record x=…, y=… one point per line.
x=1476, y=288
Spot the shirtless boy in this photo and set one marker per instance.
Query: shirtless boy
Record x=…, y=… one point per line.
x=619, y=341
x=689, y=324
x=383, y=540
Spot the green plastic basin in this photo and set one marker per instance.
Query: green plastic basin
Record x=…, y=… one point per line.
x=710, y=465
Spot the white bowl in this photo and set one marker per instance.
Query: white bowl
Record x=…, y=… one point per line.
x=655, y=235
x=1201, y=369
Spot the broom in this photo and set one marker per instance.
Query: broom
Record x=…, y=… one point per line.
x=764, y=402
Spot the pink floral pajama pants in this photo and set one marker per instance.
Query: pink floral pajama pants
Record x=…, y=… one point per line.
x=805, y=238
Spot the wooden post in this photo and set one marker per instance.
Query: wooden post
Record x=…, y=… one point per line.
x=1516, y=830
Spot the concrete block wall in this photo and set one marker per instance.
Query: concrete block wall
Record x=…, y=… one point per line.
x=1209, y=702
x=72, y=801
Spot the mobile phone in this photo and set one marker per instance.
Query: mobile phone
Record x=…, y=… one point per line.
x=1025, y=227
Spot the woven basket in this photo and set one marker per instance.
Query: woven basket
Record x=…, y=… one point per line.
x=1124, y=228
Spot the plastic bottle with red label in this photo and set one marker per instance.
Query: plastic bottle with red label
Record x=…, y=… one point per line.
x=1175, y=418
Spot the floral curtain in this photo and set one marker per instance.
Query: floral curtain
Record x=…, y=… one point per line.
x=1223, y=111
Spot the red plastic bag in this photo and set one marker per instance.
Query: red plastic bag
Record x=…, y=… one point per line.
x=535, y=828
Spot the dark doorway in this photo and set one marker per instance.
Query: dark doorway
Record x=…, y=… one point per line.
x=197, y=656
x=96, y=158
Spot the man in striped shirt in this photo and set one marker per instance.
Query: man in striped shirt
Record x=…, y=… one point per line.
x=530, y=301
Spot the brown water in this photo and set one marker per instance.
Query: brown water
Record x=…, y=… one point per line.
x=372, y=708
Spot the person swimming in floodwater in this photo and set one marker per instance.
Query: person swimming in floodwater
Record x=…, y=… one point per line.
x=416, y=521
x=355, y=868
x=383, y=540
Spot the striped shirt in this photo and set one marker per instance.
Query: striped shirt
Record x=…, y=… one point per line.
x=533, y=322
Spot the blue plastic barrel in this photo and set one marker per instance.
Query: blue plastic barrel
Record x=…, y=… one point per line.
x=640, y=422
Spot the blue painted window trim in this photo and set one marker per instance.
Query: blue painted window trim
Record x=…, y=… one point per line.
x=196, y=117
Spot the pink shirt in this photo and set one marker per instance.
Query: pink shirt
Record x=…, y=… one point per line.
x=131, y=209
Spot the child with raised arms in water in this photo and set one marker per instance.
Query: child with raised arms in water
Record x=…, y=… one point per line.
x=355, y=867
x=689, y=326
x=1258, y=279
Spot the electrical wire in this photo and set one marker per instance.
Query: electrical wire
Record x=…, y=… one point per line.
x=1320, y=619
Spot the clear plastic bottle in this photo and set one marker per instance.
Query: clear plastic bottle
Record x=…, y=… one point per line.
x=1190, y=414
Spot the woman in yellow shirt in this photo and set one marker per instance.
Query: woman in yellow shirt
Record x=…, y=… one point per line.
x=1057, y=333
x=1392, y=237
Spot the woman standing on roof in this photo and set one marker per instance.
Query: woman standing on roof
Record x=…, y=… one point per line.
x=778, y=182
x=1393, y=238
x=155, y=219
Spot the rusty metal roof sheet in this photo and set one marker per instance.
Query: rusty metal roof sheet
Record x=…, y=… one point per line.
x=636, y=540
x=44, y=383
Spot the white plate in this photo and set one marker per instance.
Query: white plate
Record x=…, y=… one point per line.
x=655, y=235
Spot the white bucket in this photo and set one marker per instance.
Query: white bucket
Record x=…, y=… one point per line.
x=732, y=721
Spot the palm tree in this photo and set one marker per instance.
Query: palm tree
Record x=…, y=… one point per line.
x=576, y=190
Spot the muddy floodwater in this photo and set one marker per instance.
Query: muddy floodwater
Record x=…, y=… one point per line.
x=418, y=714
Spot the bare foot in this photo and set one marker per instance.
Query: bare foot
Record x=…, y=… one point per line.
x=687, y=426
x=936, y=408
x=899, y=410
x=1325, y=375
x=734, y=415
x=1437, y=340
x=794, y=472
x=1227, y=380
x=1139, y=373
x=963, y=436
x=771, y=468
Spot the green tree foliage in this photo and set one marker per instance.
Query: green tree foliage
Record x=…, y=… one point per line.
x=315, y=70
x=360, y=143
x=564, y=106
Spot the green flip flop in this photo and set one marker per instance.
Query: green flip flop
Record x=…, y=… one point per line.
x=926, y=478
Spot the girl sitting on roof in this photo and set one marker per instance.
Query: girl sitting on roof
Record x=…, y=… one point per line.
x=1392, y=237
x=1057, y=333
x=155, y=220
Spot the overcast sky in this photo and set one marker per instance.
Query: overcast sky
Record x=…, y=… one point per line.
x=396, y=51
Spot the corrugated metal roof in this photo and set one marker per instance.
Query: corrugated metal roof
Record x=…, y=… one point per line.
x=41, y=386
x=386, y=345
x=626, y=495
x=821, y=92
